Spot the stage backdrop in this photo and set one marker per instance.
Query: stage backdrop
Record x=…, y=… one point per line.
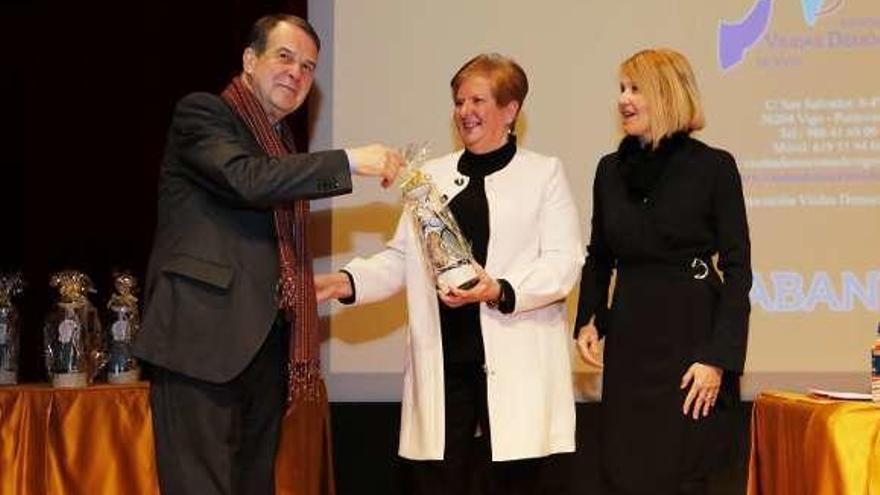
x=791, y=88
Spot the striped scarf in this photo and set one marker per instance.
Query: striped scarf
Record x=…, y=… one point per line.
x=296, y=291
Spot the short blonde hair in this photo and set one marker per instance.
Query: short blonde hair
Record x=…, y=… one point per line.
x=666, y=79
x=508, y=79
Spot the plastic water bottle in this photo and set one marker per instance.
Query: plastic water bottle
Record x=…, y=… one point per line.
x=875, y=368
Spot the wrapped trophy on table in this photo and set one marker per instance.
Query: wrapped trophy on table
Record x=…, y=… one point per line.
x=10, y=286
x=444, y=246
x=121, y=365
x=72, y=333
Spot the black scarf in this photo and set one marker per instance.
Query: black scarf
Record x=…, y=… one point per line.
x=641, y=166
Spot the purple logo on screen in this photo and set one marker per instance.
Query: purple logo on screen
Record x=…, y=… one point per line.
x=735, y=38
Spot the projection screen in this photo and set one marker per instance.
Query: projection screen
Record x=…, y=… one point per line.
x=791, y=88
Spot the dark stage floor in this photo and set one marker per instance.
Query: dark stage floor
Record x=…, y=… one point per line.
x=365, y=443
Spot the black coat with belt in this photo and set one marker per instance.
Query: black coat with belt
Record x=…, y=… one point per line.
x=658, y=219
x=211, y=280
x=693, y=208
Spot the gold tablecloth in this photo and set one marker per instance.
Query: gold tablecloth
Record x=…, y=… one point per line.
x=92, y=441
x=804, y=445
x=99, y=441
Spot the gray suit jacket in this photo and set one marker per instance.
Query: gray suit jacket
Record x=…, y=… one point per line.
x=210, y=286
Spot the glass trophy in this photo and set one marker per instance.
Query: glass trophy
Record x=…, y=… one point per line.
x=445, y=248
x=72, y=333
x=10, y=286
x=121, y=365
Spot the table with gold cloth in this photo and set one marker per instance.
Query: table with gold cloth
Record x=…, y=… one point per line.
x=805, y=445
x=99, y=441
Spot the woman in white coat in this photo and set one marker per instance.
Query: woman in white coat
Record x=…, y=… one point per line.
x=487, y=387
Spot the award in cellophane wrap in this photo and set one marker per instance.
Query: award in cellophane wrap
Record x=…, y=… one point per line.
x=122, y=366
x=10, y=286
x=445, y=248
x=72, y=333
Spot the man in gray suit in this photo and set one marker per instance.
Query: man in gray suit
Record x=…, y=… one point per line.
x=212, y=327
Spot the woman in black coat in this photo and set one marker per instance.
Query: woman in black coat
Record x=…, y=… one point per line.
x=669, y=219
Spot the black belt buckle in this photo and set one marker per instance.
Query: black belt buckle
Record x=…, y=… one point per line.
x=701, y=268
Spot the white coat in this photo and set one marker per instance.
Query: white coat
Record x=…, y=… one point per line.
x=535, y=244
